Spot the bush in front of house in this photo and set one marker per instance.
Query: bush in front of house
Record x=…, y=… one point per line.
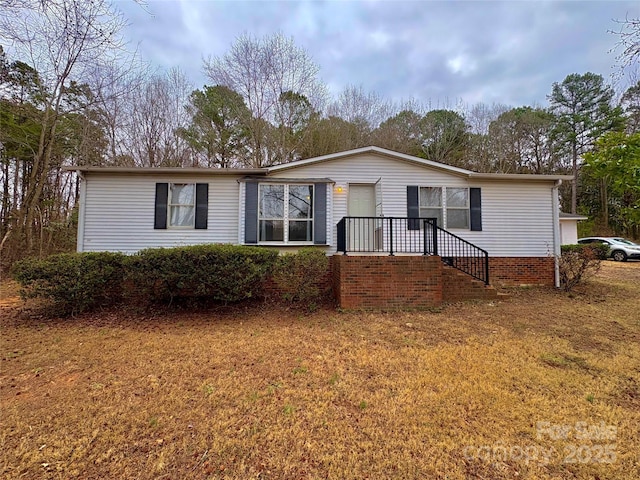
x=578, y=262
x=301, y=278
x=74, y=282
x=224, y=273
x=599, y=250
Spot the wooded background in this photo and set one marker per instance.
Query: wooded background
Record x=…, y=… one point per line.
x=72, y=94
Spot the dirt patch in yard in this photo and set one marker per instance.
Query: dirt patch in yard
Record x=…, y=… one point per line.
x=541, y=386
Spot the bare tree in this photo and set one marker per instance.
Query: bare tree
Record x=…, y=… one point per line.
x=262, y=70
x=115, y=92
x=63, y=40
x=366, y=110
x=480, y=154
x=158, y=114
x=628, y=41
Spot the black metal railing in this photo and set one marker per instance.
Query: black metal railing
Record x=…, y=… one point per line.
x=412, y=236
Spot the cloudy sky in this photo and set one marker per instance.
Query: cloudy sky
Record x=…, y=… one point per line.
x=442, y=52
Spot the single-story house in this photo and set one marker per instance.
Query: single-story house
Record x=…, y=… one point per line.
x=364, y=203
x=569, y=228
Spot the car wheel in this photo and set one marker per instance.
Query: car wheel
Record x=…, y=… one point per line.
x=619, y=256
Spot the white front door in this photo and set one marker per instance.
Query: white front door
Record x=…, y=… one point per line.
x=362, y=203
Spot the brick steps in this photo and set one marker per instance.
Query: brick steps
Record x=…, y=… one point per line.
x=458, y=286
x=402, y=282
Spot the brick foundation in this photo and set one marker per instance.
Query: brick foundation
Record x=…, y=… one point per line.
x=397, y=282
x=393, y=282
x=515, y=271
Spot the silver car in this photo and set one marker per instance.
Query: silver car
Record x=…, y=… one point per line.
x=620, y=249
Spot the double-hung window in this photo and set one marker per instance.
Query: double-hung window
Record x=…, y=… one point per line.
x=454, y=207
x=431, y=203
x=450, y=205
x=285, y=213
x=457, y=208
x=182, y=205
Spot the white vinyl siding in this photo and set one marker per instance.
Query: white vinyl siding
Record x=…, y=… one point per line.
x=517, y=216
x=118, y=209
x=119, y=212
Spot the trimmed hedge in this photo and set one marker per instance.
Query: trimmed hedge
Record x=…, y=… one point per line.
x=301, y=277
x=75, y=282
x=226, y=273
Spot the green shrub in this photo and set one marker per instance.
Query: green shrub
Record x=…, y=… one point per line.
x=75, y=282
x=226, y=273
x=301, y=277
x=579, y=262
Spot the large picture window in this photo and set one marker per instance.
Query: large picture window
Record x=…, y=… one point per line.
x=285, y=213
x=182, y=207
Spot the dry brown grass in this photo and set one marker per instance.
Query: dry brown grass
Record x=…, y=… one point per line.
x=260, y=393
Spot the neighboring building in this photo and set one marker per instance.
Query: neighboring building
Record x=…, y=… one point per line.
x=569, y=228
x=515, y=218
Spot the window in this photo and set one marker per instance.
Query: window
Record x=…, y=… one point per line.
x=455, y=201
x=182, y=208
x=458, y=208
x=431, y=203
x=285, y=213
x=181, y=205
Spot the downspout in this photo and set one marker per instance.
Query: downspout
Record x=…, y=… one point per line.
x=555, y=200
x=81, y=211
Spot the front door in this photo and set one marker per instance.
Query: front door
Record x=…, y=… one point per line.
x=362, y=203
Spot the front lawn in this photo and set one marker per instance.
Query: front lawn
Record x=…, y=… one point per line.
x=543, y=385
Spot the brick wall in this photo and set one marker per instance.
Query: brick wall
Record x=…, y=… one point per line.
x=514, y=271
x=394, y=282
x=387, y=281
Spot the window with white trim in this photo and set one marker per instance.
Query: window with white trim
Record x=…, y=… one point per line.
x=431, y=203
x=457, y=207
x=182, y=205
x=285, y=213
x=450, y=205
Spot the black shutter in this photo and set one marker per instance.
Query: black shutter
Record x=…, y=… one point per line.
x=320, y=214
x=251, y=212
x=413, y=207
x=475, y=204
x=202, y=205
x=162, y=196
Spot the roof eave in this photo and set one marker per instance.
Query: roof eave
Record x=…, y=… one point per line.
x=530, y=177
x=168, y=170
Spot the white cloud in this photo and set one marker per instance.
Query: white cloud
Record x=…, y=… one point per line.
x=509, y=52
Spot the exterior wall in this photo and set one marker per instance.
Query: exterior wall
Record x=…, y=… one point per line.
x=517, y=271
x=568, y=231
x=517, y=217
x=119, y=213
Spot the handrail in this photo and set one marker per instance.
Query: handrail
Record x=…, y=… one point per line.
x=412, y=235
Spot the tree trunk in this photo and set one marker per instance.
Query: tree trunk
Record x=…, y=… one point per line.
x=574, y=183
x=604, y=202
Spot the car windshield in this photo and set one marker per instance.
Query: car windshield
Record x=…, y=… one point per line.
x=624, y=241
